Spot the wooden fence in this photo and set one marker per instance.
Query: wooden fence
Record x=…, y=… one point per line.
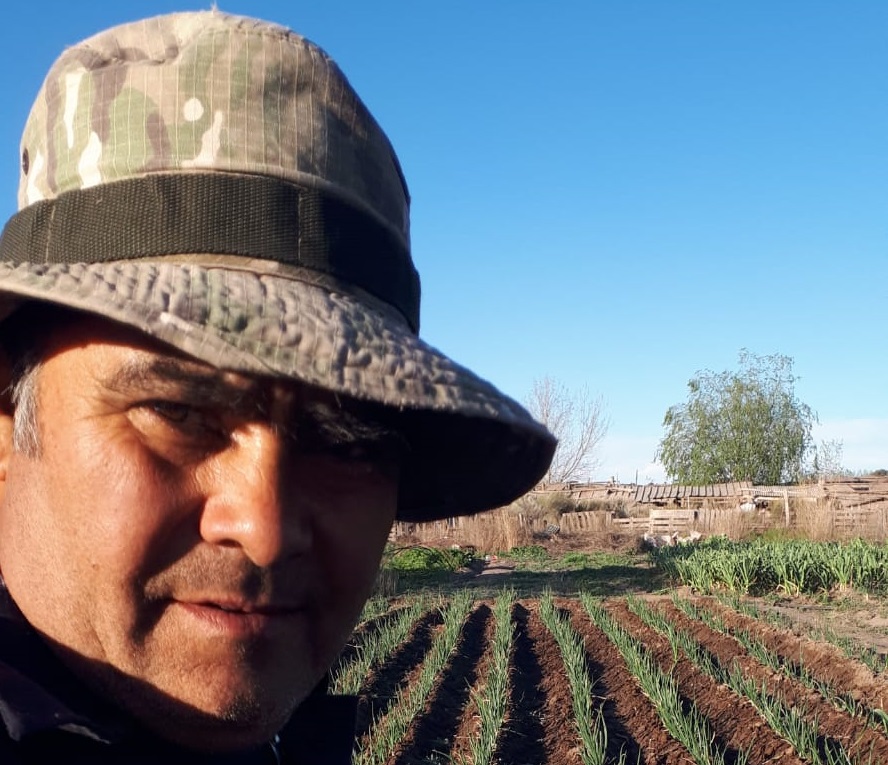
x=819, y=519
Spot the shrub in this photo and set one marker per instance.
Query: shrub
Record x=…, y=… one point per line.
x=427, y=559
x=527, y=553
x=577, y=560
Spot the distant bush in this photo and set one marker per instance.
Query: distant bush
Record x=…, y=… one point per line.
x=527, y=553
x=577, y=560
x=427, y=559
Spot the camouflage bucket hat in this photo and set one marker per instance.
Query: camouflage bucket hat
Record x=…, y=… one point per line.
x=215, y=182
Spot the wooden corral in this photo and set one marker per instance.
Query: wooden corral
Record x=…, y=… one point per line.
x=682, y=496
x=842, y=508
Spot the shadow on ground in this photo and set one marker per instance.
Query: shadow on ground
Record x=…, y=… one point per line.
x=598, y=581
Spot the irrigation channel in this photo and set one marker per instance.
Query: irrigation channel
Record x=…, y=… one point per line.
x=558, y=680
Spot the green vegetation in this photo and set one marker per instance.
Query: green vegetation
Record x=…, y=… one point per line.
x=492, y=699
x=589, y=720
x=795, y=670
x=791, y=722
x=685, y=723
x=530, y=571
x=420, y=558
x=386, y=732
x=591, y=560
x=788, y=694
x=373, y=608
x=376, y=646
x=527, y=554
x=853, y=649
x=789, y=567
x=537, y=558
x=746, y=425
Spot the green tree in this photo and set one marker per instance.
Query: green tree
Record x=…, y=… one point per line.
x=746, y=425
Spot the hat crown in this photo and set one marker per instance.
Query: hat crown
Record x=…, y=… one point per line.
x=207, y=91
x=214, y=182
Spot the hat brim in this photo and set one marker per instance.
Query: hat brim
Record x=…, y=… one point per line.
x=471, y=447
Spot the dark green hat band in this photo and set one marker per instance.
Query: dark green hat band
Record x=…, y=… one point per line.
x=221, y=214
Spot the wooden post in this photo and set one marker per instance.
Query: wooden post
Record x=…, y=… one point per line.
x=786, y=506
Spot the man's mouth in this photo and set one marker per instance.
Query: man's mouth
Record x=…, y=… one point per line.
x=247, y=608
x=240, y=619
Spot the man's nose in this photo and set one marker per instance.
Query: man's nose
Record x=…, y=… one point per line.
x=252, y=503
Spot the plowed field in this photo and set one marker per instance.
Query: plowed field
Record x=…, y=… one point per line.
x=838, y=700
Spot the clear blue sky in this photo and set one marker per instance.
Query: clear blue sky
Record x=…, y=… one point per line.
x=614, y=194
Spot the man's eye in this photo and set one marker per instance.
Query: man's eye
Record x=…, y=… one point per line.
x=357, y=452
x=172, y=411
x=382, y=454
x=180, y=432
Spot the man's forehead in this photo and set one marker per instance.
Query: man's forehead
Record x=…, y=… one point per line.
x=144, y=366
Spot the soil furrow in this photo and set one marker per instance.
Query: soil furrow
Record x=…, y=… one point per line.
x=735, y=722
x=859, y=740
x=364, y=631
x=431, y=736
x=521, y=739
x=560, y=737
x=540, y=724
x=381, y=686
x=633, y=723
x=825, y=662
x=469, y=720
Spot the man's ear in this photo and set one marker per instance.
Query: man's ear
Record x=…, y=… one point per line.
x=6, y=412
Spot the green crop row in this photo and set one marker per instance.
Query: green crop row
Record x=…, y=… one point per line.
x=852, y=648
x=686, y=725
x=792, y=723
x=791, y=567
x=385, y=733
x=793, y=669
x=491, y=698
x=376, y=647
x=589, y=720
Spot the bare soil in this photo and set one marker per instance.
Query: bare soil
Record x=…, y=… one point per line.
x=858, y=618
x=540, y=727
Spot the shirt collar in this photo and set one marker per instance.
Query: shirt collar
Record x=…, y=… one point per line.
x=38, y=693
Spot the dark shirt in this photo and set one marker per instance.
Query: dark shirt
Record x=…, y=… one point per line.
x=48, y=716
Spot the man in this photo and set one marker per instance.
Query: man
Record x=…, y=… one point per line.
x=217, y=401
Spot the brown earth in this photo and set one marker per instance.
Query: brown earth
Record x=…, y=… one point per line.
x=540, y=726
x=858, y=618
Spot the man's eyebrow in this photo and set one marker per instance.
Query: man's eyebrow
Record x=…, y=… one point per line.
x=158, y=374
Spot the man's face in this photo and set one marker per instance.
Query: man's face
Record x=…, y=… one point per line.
x=195, y=544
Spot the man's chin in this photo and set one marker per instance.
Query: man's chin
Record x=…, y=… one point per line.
x=242, y=724
x=204, y=714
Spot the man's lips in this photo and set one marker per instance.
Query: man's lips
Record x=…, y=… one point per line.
x=239, y=619
x=242, y=607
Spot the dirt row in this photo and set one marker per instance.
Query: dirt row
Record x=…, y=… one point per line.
x=540, y=724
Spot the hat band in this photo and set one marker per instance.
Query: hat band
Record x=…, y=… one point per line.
x=217, y=213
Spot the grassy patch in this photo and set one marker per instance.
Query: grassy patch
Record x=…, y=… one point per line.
x=420, y=558
x=527, y=554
